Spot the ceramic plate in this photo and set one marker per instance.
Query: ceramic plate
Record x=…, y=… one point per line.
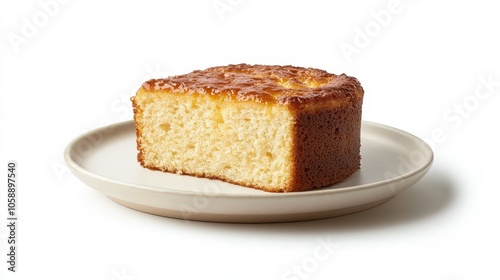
x=106, y=160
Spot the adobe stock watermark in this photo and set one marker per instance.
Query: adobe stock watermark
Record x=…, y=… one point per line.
x=364, y=35
x=406, y=164
x=121, y=109
x=455, y=115
x=223, y=7
x=31, y=26
x=83, y=149
x=121, y=275
x=201, y=201
x=451, y=278
x=323, y=251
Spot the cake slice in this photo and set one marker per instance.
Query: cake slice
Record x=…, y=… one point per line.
x=273, y=128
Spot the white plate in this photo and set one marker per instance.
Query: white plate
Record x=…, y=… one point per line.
x=105, y=159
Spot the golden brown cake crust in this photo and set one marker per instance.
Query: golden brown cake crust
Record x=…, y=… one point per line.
x=263, y=83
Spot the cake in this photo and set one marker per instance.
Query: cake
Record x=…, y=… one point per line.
x=269, y=127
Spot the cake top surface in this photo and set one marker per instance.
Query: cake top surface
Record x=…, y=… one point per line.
x=262, y=83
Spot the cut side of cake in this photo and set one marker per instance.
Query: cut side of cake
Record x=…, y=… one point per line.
x=269, y=127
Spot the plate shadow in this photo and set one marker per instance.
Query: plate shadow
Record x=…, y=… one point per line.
x=430, y=196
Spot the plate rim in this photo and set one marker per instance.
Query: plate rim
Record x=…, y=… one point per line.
x=424, y=167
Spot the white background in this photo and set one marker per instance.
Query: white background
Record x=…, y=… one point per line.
x=428, y=67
